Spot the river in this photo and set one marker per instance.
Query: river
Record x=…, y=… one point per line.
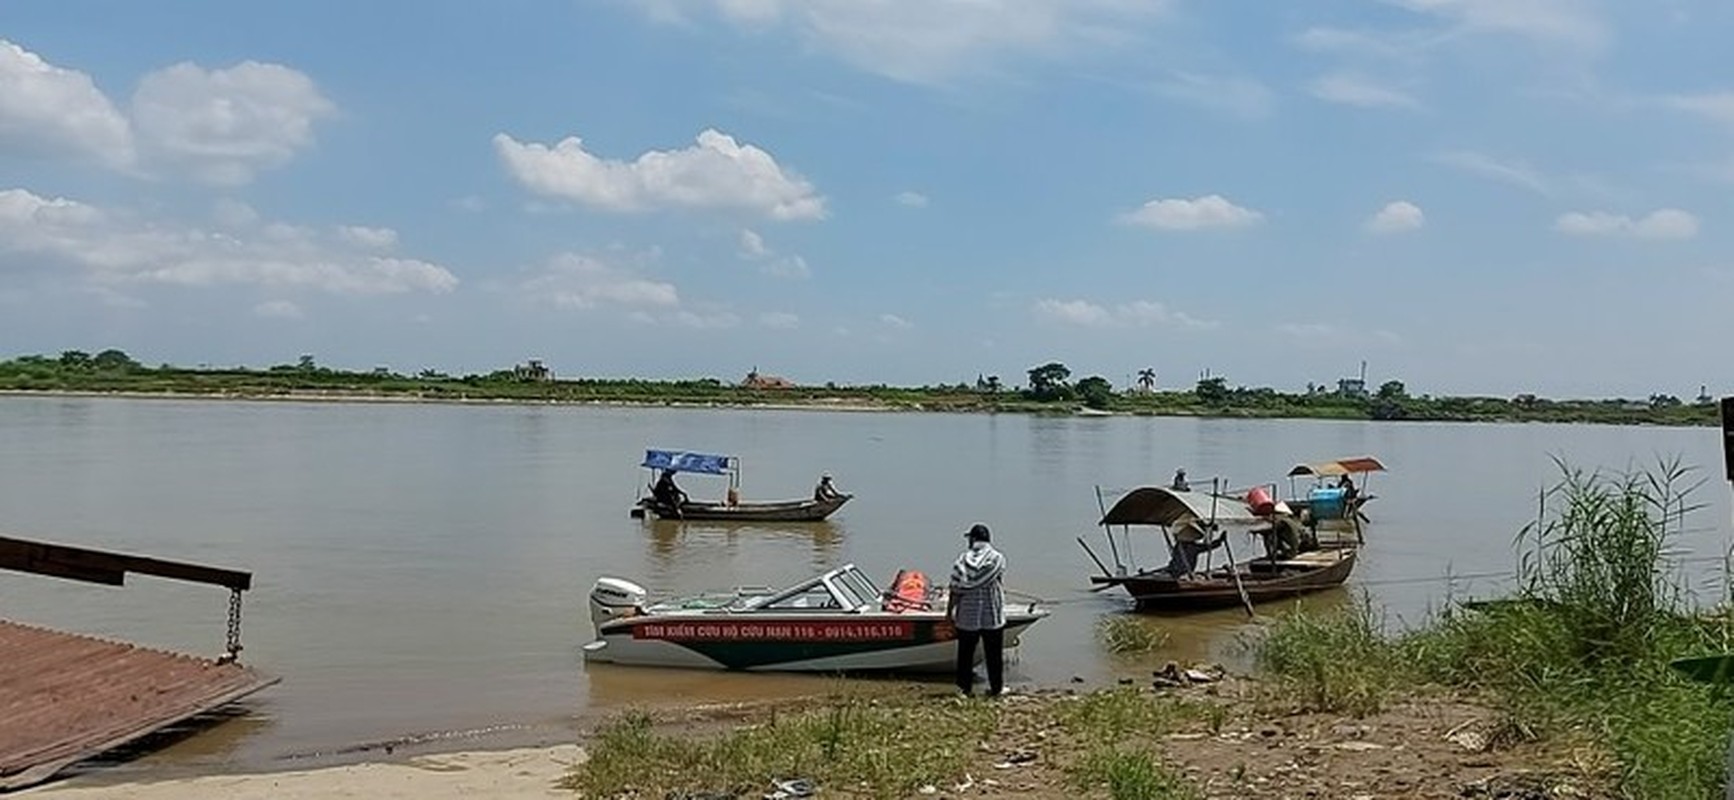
x=421, y=570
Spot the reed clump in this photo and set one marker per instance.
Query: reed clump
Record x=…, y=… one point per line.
x=1580, y=650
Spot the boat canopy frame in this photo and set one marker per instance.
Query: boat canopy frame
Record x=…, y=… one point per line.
x=658, y=460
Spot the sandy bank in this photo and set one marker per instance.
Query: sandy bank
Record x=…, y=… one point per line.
x=527, y=774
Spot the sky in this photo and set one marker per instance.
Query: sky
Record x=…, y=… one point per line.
x=1472, y=196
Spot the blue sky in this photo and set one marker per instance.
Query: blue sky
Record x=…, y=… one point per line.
x=1474, y=196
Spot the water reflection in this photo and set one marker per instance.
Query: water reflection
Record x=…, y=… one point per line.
x=673, y=544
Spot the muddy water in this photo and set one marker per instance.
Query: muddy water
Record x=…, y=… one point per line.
x=421, y=570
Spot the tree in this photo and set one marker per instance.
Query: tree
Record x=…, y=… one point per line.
x=112, y=359
x=1146, y=379
x=1096, y=391
x=1048, y=381
x=305, y=364
x=75, y=359
x=993, y=385
x=1392, y=390
x=1211, y=391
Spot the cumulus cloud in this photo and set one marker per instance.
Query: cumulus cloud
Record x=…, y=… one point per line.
x=225, y=125
x=114, y=246
x=717, y=172
x=278, y=309
x=1136, y=314
x=911, y=199
x=1350, y=89
x=753, y=248
x=1396, y=217
x=934, y=41
x=1177, y=214
x=780, y=320
x=1666, y=223
x=580, y=282
x=376, y=238
x=51, y=109
x=1243, y=97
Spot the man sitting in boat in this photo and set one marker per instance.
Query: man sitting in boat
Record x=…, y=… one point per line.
x=1284, y=538
x=1191, y=539
x=825, y=490
x=666, y=492
x=1180, y=484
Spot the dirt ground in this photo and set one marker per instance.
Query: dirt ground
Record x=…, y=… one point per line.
x=1431, y=747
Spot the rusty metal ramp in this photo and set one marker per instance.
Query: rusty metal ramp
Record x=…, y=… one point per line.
x=66, y=697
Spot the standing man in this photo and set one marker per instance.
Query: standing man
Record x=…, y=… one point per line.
x=976, y=606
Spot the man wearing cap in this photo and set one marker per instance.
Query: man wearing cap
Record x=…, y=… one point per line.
x=976, y=606
x=826, y=490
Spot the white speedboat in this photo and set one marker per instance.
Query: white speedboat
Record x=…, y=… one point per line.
x=839, y=621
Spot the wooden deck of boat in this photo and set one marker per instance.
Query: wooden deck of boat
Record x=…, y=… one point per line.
x=65, y=697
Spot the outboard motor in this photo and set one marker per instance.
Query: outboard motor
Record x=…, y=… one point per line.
x=614, y=598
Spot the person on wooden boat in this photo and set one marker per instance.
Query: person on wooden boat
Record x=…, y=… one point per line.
x=976, y=606
x=1180, y=484
x=1191, y=540
x=1282, y=540
x=666, y=492
x=825, y=490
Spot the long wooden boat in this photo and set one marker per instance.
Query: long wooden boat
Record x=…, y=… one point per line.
x=1236, y=582
x=778, y=511
x=1263, y=580
x=838, y=621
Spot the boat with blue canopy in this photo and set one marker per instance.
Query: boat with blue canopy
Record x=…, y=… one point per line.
x=667, y=501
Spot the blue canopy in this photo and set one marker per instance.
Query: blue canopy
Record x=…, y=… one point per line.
x=682, y=461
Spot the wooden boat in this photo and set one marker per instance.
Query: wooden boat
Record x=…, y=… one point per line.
x=677, y=461
x=777, y=511
x=837, y=621
x=1243, y=582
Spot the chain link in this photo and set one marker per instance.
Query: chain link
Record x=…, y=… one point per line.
x=233, y=647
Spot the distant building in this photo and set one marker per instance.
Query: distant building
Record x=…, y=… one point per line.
x=754, y=380
x=533, y=370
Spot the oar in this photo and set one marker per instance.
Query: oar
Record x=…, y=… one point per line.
x=1233, y=568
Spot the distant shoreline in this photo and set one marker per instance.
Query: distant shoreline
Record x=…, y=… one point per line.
x=834, y=404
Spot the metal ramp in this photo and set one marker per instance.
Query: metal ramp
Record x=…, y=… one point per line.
x=66, y=697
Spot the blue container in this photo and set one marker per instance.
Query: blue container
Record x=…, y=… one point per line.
x=1326, y=502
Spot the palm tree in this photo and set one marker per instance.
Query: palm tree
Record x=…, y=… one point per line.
x=1147, y=379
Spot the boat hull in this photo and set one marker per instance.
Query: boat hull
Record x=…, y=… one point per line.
x=1263, y=581
x=781, y=511
x=904, y=643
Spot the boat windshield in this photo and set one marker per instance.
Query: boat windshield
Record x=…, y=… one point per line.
x=858, y=585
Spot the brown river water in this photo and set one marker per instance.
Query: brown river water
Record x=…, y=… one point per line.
x=421, y=570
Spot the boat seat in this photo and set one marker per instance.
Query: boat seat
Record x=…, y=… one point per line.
x=1312, y=559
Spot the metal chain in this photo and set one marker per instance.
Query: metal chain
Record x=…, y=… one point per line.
x=233, y=648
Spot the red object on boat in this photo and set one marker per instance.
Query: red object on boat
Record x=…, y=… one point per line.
x=908, y=592
x=1260, y=501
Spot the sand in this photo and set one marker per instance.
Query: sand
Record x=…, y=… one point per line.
x=527, y=774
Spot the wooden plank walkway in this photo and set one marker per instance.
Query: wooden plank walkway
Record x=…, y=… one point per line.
x=66, y=697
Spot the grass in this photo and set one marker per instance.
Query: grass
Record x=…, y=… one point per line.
x=879, y=748
x=1124, y=634
x=1580, y=652
x=1131, y=775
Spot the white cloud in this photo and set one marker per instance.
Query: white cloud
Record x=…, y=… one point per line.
x=933, y=41
x=374, y=238
x=574, y=281
x=1666, y=223
x=278, y=309
x=1325, y=334
x=1567, y=22
x=895, y=322
x=753, y=245
x=1209, y=211
x=1516, y=173
x=1325, y=39
x=780, y=320
x=227, y=124
x=1396, y=217
x=1242, y=97
x=716, y=173
x=1715, y=106
x=791, y=267
x=45, y=108
x=113, y=247
x=1136, y=314
x=706, y=320
x=911, y=199
x=1360, y=91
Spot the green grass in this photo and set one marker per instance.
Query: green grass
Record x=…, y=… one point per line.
x=1131, y=775
x=1581, y=651
x=871, y=748
x=1130, y=635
